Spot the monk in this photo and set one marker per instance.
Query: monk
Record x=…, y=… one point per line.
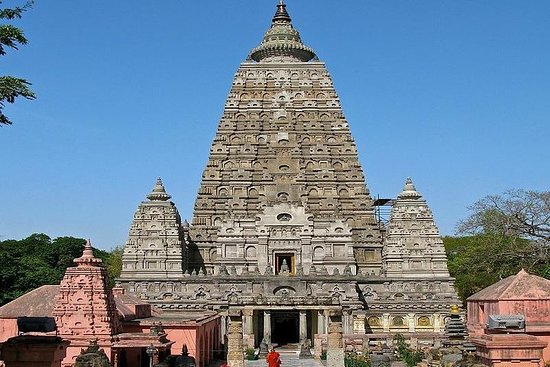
x=273, y=358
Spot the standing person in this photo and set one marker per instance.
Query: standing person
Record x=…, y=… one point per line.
x=273, y=358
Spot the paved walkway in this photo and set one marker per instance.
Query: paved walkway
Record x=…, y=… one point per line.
x=288, y=359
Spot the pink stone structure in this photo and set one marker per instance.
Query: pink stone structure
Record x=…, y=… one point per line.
x=122, y=325
x=84, y=310
x=524, y=294
x=510, y=350
x=199, y=331
x=37, y=303
x=33, y=351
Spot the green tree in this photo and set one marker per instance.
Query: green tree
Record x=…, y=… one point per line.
x=516, y=213
x=37, y=260
x=410, y=356
x=113, y=264
x=11, y=37
x=503, y=234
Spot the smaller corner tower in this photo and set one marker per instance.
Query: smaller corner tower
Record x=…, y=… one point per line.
x=413, y=246
x=156, y=247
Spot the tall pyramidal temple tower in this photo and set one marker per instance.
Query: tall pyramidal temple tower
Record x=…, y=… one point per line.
x=283, y=181
x=284, y=230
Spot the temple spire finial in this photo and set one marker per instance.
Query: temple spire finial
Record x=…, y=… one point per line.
x=409, y=191
x=281, y=15
x=282, y=43
x=158, y=193
x=88, y=250
x=87, y=258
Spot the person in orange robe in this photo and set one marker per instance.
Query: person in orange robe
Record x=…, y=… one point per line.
x=273, y=358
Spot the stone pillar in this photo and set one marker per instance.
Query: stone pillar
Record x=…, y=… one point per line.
x=248, y=325
x=347, y=322
x=335, y=349
x=386, y=322
x=412, y=322
x=321, y=324
x=359, y=323
x=303, y=326
x=235, y=357
x=223, y=332
x=438, y=323
x=248, y=328
x=223, y=326
x=267, y=327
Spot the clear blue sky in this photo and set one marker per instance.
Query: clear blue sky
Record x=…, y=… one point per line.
x=455, y=94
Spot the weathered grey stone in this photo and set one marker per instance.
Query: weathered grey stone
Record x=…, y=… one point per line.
x=263, y=349
x=451, y=359
x=156, y=247
x=235, y=357
x=305, y=350
x=283, y=195
x=380, y=360
x=335, y=357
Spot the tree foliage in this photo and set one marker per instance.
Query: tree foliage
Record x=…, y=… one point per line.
x=410, y=356
x=11, y=37
x=503, y=234
x=516, y=213
x=37, y=260
x=113, y=263
x=354, y=359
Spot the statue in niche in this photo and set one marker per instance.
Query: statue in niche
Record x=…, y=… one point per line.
x=285, y=270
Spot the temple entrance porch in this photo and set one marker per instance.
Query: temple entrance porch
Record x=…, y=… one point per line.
x=243, y=326
x=282, y=326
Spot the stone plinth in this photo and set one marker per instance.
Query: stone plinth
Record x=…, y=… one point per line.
x=507, y=350
x=235, y=357
x=335, y=350
x=33, y=351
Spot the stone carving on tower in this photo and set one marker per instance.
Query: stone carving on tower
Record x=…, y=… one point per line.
x=84, y=308
x=156, y=248
x=284, y=229
x=416, y=290
x=413, y=247
x=283, y=173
